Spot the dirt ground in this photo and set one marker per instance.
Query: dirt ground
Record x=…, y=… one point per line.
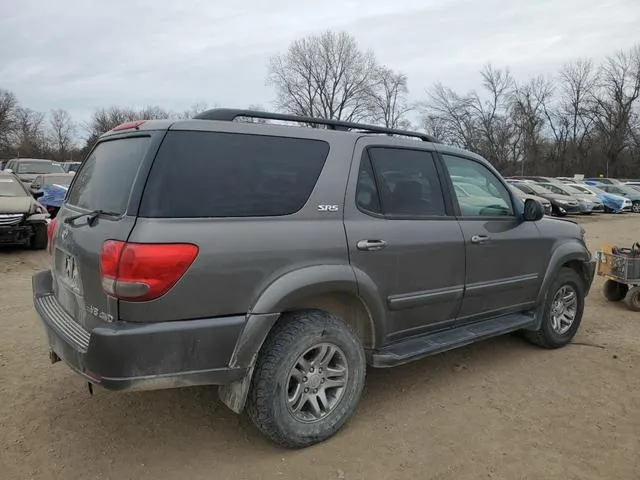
x=499, y=409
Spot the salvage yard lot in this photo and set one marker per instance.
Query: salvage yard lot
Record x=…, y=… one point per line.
x=499, y=409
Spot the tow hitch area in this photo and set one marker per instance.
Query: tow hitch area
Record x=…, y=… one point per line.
x=53, y=356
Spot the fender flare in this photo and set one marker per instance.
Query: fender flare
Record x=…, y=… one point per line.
x=564, y=253
x=285, y=293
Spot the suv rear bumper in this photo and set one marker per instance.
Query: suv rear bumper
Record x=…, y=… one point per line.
x=135, y=356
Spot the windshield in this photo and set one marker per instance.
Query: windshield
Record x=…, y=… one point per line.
x=581, y=189
x=573, y=190
x=10, y=187
x=64, y=180
x=39, y=168
x=539, y=189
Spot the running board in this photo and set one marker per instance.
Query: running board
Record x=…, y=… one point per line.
x=430, y=344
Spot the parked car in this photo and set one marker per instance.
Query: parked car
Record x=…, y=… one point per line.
x=611, y=203
x=205, y=251
x=537, y=179
x=546, y=204
x=23, y=221
x=29, y=168
x=70, y=166
x=561, y=205
x=624, y=191
x=604, y=181
x=588, y=203
x=51, y=190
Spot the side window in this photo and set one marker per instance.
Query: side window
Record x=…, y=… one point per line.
x=407, y=182
x=486, y=195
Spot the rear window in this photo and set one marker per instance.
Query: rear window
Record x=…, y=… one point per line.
x=106, y=178
x=211, y=174
x=38, y=168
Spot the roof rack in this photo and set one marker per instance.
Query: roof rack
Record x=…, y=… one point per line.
x=230, y=114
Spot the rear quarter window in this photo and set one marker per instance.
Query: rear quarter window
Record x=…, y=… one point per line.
x=212, y=174
x=106, y=178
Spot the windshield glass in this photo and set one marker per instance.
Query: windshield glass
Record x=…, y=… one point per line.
x=581, y=189
x=10, y=187
x=573, y=190
x=64, y=180
x=39, y=168
x=538, y=189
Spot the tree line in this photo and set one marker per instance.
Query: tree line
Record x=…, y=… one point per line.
x=584, y=119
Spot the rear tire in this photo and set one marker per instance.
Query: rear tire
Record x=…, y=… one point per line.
x=290, y=400
x=562, y=311
x=39, y=239
x=635, y=207
x=614, y=291
x=633, y=299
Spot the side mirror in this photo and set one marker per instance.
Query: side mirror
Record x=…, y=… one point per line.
x=533, y=210
x=37, y=195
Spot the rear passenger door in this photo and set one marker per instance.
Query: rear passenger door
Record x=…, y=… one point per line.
x=505, y=256
x=403, y=240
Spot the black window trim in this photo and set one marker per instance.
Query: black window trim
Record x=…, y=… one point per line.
x=454, y=198
x=444, y=189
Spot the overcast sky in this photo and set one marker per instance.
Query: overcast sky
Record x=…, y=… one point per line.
x=82, y=54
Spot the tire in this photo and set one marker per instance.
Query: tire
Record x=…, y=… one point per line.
x=547, y=336
x=269, y=403
x=614, y=291
x=39, y=239
x=633, y=299
x=635, y=207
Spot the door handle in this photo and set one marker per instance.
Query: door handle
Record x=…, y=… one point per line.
x=480, y=239
x=371, y=245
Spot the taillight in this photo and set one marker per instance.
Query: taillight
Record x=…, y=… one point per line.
x=51, y=228
x=143, y=271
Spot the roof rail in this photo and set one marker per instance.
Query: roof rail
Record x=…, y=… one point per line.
x=230, y=114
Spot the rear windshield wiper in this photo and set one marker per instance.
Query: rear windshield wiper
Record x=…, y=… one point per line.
x=91, y=216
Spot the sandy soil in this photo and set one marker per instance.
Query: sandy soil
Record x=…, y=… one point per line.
x=500, y=409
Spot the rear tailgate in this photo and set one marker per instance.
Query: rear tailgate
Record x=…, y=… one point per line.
x=110, y=180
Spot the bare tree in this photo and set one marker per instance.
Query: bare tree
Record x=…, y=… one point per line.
x=62, y=133
x=478, y=121
x=30, y=136
x=388, y=103
x=527, y=111
x=104, y=119
x=8, y=120
x=613, y=103
x=324, y=76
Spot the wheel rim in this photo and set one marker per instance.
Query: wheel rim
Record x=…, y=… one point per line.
x=564, y=309
x=317, y=382
x=636, y=207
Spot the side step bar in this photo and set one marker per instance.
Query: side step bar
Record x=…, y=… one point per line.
x=430, y=344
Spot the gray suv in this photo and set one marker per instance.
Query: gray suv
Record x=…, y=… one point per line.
x=279, y=262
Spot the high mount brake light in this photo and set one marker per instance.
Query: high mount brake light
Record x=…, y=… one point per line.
x=139, y=272
x=128, y=125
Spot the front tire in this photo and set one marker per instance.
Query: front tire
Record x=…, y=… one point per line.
x=307, y=380
x=39, y=238
x=562, y=311
x=635, y=207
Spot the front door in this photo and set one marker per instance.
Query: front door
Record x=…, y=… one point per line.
x=403, y=239
x=505, y=256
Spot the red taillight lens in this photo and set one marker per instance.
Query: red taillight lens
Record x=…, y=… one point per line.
x=51, y=228
x=143, y=271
